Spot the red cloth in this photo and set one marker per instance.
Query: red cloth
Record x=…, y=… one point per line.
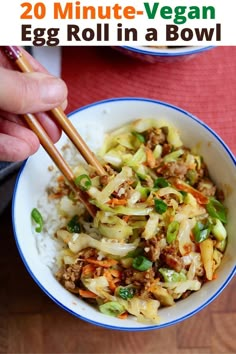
x=205, y=85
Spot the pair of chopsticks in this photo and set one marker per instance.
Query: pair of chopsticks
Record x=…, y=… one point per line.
x=14, y=54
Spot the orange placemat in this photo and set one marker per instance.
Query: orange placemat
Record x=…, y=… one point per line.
x=205, y=85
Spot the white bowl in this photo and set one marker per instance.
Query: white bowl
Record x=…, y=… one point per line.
x=111, y=114
x=166, y=55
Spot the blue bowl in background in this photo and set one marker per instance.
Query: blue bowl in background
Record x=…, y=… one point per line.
x=157, y=54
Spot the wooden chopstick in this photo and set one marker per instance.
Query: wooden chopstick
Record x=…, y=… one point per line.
x=55, y=155
x=15, y=54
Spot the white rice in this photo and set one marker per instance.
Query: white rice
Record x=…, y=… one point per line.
x=48, y=245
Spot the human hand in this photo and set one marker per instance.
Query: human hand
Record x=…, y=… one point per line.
x=22, y=93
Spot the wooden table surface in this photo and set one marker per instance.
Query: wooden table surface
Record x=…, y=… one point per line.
x=31, y=323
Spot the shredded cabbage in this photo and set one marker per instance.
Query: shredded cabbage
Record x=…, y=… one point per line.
x=152, y=183
x=144, y=309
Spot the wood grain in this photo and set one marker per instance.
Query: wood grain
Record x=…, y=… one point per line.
x=31, y=323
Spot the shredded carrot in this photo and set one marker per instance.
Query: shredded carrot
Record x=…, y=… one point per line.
x=151, y=161
x=115, y=273
x=112, y=285
x=88, y=269
x=126, y=218
x=153, y=284
x=111, y=281
x=105, y=263
x=215, y=276
x=116, y=280
x=201, y=198
x=116, y=201
x=87, y=294
x=171, y=218
x=192, y=236
x=123, y=316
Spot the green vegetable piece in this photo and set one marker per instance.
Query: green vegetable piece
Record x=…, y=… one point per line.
x=218, y=230
x=83, y=182
x=72, y=196
x=137, y=252
x=184, y=194
x=161, y=182
x=192, y=177
x=173, y=156
x=73, y=225
x=112, y=308
x=201, y=232
x=38, y=219
x=144, y=191
x=126, y=292
x=141, y=176
x=141, y=263
x=172, y=231
x=139, y=136
x=216, y=210
x=171, y=276
x=160, y=206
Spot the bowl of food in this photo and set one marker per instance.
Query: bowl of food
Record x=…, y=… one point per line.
x=152, y=54
x=161, y=246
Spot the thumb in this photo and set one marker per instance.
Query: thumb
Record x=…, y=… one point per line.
x=30, y=92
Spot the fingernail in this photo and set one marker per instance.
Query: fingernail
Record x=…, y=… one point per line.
x=52, y=90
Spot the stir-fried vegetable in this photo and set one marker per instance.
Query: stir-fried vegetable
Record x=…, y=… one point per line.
x=126, y=292
x=170, y=276
x=141, y=263
x=73, y=225
x=160, y=206
x=38, y=219
x=161, y=182
x=139, y=136
x=218, y=230
x=83, y=182
x=172, y=231
x=216, y=210
x=159, y=231
x=201, y=232
x=112, y=308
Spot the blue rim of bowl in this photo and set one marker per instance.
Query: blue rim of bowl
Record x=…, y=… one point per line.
x=164, y=53
x=134, y=329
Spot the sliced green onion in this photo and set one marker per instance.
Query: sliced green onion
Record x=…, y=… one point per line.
x=200, y=232
x=216, y=210
x=141, y=263
x=139, y=136
x=126, y=292
x=218, y=230
x=172, y=231
x=38, y=219
x=83, y=182
x=161, y=182
x=73, y=225
x=112, y=308
x=160, y=206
